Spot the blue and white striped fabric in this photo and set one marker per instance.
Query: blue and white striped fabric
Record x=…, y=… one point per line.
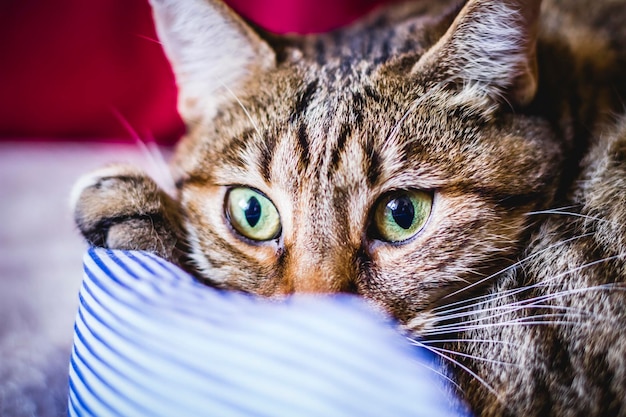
x=151, y=341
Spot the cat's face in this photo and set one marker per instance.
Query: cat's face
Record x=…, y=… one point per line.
x=380, y=189
x=402, y=179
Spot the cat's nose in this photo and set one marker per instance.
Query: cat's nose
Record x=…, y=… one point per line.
x=317, y=276
x=311, y=279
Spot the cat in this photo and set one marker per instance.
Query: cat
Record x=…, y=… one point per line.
x=462, y=166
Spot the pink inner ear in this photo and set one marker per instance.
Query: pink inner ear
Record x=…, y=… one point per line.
x=312, y=16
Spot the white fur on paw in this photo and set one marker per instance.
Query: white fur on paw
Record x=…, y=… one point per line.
x=93, y=178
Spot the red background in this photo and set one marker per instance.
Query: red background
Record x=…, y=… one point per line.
x=71, y=69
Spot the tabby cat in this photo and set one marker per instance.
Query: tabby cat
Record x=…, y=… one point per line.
x=460, y=166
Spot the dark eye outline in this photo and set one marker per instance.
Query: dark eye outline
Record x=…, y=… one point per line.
x=229, y=221
x=373, y=232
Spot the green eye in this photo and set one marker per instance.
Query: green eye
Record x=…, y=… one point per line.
x=252, y=214
x=400, y=215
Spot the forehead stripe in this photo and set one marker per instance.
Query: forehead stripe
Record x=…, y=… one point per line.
x=340, y=146
x=303, y=145
x=304, y=100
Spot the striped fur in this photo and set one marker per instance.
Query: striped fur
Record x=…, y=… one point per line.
x=488, y=107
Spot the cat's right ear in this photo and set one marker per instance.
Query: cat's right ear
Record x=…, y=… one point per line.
x=212, y=50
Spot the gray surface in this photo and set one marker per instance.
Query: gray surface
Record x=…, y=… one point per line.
x=41, y=268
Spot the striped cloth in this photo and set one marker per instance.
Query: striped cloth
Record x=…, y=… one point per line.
x=151, y=341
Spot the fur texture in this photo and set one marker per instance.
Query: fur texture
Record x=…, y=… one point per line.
x=497, y=110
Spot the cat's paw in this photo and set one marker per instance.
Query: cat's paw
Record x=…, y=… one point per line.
x=121, y=207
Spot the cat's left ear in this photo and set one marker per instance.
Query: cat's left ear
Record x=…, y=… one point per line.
x=212, y=50
x=489, y=53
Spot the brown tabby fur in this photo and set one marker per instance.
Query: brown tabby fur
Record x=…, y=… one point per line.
x=508, y=115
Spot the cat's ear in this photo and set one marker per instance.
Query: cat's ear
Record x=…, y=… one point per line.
x=212, y=50
x=489, y=52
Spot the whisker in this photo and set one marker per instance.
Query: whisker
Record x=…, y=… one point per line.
x=510, y=308
x=457, y=363
x=569, y=213
x=160, y=171
x=479, y=358
x=256, y=128
x=497, y=342
x=444, y=376
x=166, y=179
x=462, y=329
x=573, y=206
x=576, y=269
x=148, y=38
x=519, y=319
x=547, y=297
x=514, y=265
x=532, y=303
x=514, y=291
x=540, y=317
x=396, y=128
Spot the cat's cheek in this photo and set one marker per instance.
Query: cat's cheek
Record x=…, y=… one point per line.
x=421, y=270
x=214, y=242
x=204, y=206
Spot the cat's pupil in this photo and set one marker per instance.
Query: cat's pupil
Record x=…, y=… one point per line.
x=402, y=211
x=253, y=211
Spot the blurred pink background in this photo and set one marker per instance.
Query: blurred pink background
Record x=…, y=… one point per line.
x=69, y=65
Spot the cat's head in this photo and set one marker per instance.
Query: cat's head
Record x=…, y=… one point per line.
x=394, y=159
